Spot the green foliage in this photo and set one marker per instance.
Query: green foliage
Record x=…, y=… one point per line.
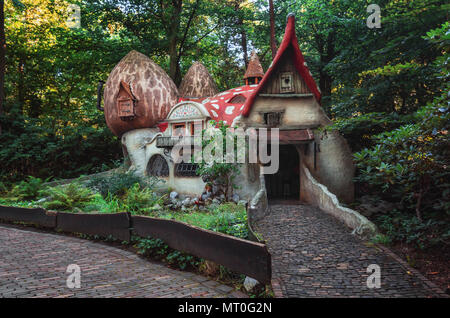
x=381, y=239
x=227, y=218
x=139, y=200
x=71, y=197
x=156, y=248
x=116, y=183
x=219, y=172
x=29, y=189
x=401, y=227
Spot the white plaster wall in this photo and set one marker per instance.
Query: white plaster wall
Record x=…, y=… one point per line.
x=135, y=142
x=298, y=111
x=334, y=164
x=318, y=195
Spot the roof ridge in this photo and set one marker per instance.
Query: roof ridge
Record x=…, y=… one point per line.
x=289, y=38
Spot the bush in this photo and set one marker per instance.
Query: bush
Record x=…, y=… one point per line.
x=71, y=197
x=151, y=247
x=140, y=200
x=401, y=227
x=30, y=189
x=116, y=183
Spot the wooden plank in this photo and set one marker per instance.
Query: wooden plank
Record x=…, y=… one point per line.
x=116, y=225
x=239, y=255
x=35, y=216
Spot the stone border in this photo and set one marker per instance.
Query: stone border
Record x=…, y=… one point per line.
x=414, y=271
x=328, y=202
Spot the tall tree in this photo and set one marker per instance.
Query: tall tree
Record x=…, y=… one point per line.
x=2, y=57
x=273, y=44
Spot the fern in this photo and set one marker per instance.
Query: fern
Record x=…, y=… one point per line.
x=72, y=197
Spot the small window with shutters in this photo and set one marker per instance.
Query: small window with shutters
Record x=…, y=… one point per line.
x=272, y=119
x=287, y=82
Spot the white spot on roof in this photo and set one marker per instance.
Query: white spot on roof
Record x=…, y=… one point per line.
x=229, y=110
x=214, y=113
x=215, y=106
x=205, y=101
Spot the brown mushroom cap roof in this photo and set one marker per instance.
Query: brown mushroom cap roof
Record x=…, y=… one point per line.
x=197, y=83
x=254, y=68
x=153, y=89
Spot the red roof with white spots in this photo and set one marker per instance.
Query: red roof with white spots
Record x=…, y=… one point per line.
x=221, y=107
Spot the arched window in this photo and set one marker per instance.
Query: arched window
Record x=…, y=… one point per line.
x=158, y=167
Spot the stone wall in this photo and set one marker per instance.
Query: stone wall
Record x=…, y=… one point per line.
x=317, y=194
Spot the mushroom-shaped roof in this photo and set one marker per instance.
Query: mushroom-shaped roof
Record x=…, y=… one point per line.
x=254, y=68
x=197, y=83
x=228, y=105
x=154, y=90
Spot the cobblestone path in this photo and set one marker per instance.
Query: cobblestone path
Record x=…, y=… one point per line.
x=34, y=264
x=314, y=255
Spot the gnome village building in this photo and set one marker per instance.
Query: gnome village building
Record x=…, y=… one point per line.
x=149, y=113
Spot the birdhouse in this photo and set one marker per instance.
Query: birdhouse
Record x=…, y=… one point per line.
x=126, y=102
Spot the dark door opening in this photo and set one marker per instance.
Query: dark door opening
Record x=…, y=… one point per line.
x=285, y=184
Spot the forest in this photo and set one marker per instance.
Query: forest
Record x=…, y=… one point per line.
x=385, y=88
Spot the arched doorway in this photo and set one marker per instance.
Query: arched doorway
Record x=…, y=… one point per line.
x=285, y=184
x=157, y=166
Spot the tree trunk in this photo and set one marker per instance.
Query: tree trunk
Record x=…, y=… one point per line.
x=2, y=57
x=174, y=27
x=240, y=25
x=273, y=44
x=244, y=45
x=326, y=56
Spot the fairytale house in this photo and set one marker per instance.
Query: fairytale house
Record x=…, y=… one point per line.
x=144, y=108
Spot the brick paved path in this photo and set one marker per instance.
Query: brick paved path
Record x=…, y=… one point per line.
x=314, y=255
x=34, y=264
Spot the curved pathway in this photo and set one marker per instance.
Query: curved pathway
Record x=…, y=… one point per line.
x=34, y=264
x=314, y=255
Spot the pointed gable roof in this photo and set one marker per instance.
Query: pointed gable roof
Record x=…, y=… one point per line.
x=254, y=68
x=289, y=39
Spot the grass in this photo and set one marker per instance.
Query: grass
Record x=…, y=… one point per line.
x=228, y=218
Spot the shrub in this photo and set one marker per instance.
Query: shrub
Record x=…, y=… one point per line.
x=401, y=227
x=71, y=197
x=157, y=248
x=30, y=189
x=140, y=200
x=116, y=183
